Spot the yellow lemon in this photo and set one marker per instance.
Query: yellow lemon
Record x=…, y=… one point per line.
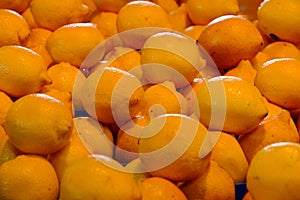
x=168, y=5
x=138, y=14
x=194, y=31
x=271, y=130
x=163, y=60
x=287, y=19
x=213, y=183
x=75, y=41
x=112, y=95
x=54, y=14
x=241, y=102
x=161, y=99
x=278, y=81
x=202, y=12
x=18, y=5
x=14, y=28
x=38, y=124
x=127, y=141
x=106, y=22
x=282, y=182
x=37, y=42
x=98, y=178
x=22, y=74
x=28, y=177
x=243, y=70
x=110, y=5
x=281, y=49
x=179, y=18
x=7, y=150
x=230, y=156
x=6, y=102
x=229, y=39
x=170, y=147
x=27, y=14
x=160, y=188
x=258, y=60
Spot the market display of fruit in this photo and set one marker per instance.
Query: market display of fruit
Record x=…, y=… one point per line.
x=149, y=99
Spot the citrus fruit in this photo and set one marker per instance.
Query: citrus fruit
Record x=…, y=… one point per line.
x=229, y=39
x=54, y=14
x=243, y=70
x=202, y=12
x=282, y=182
x=36, y=41
x=282, y=49
x=94, y=178
x=27, y=14
x=127, y=140
x=14, y=28
x=161, y=52
x=6, y=102
x=7, y=150
x=179, y=18
x=138, y=14
x=258, y=60
x=111, y=95
x=213, y=183
x=18, y=6
x=28, y=177
x=75, y=41
x=22, y=74
x=287, y=19
x=160, y=188
x=242, y=103
x=230, y=156
x=161, y=99
x=167, y=5
x=111, y=5
x=271, y=130
x=193, y=31
x=106, y=22
x=38, y=124
x=278, y=81
x=170, y=146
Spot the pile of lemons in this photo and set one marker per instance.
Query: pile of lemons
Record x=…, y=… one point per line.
x=182, y=99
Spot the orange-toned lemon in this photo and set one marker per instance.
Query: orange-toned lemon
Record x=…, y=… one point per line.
x=38, y=124
x=138, y=14
x=28, y=177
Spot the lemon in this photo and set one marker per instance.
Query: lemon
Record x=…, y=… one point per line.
x=54, y=14
x=202, y=12
x=37, y=42
x=75, y=41
x=282, y=49
x=229, y=39
x=14, y=28
x=6, y=102
x=170, y=147
x=160, y=188
x=161, y=99
x=138, y=14
x=240, y=102
x=28, y=177
x=171, y=56
x=243, y=70
x=271, y=130
x=282, y=182
x=22, y=74
x=112, y=95
x=213, y=183
x=278, y=81
x=94, y=178
x=287, y=19
x=38, y=124
x=229, y=154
